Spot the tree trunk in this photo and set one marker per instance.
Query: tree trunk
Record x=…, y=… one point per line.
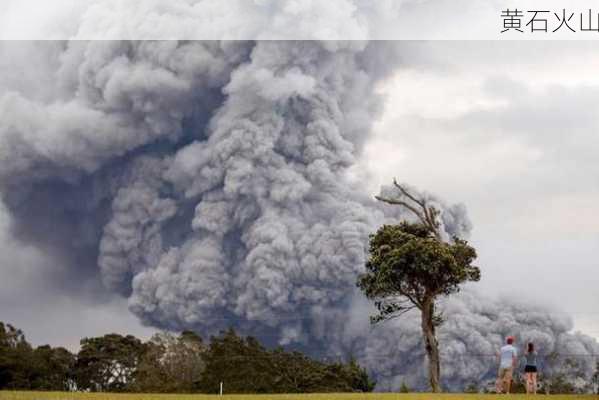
x=431, y=345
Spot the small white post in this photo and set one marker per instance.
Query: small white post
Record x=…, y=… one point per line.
x=221, y=388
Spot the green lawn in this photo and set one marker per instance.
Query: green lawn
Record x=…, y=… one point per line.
x=20, y=395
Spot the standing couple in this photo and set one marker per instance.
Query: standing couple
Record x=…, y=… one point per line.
x=508, y=361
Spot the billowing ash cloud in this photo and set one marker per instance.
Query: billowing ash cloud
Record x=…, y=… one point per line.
x=206, y=182
x=475, y=328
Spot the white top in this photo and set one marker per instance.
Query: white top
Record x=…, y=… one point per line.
x=508, y=353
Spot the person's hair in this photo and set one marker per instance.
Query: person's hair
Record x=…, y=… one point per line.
x=510, y=340
x=531, y=347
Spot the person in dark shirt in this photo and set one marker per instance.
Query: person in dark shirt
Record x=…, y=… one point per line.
x=530, y=369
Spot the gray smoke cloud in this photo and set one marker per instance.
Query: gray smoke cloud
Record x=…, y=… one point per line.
x=207, y=183
x=476, y=327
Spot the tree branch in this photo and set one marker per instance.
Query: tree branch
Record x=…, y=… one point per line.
x=426, y=214
x=402, y=203
x=407, y=295
x=401, y=310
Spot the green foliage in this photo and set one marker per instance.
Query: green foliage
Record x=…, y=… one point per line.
x=245, y=366
x=409, y=262
x=241, y=363
x=404, y=388
x=358, y=377
x=169, y=363
x=107, y=363
x=23, y=367
x=15, y=358
x=409, y=267
x=53, y=368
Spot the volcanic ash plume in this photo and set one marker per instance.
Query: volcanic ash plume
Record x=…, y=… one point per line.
x=206, y=182
x=205, y=179
x=475, y=329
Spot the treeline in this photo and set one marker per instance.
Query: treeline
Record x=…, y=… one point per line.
x=171, y=363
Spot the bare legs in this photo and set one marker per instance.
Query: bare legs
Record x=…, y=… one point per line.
x=507, y=384
x=504, y=382
x=531, y=383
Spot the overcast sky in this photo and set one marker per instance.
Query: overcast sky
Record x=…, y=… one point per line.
x=280, y=19
x=508, y=128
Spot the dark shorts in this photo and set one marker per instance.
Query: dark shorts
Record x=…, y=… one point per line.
x=530, y=368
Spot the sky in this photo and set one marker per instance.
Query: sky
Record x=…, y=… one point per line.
x=507, y=128
x=33, y=298
x=510, y=129
x=277, y=19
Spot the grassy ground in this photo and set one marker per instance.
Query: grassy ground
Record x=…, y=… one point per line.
x=10, y=395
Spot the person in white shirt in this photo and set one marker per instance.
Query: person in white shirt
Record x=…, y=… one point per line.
x=508, y=356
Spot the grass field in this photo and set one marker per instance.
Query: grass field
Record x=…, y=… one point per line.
x=11, y=395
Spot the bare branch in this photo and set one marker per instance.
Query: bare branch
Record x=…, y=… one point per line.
x=405, y=192
x=425, y=213
x=401, y=203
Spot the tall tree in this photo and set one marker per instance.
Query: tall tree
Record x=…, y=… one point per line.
x=245, y=366
x=15, y=358
x=411, y=267
x=107, y=363
x=52, y=369
x=242, y=363
x=171, y=363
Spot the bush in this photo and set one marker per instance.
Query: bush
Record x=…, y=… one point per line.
x=404, y=388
